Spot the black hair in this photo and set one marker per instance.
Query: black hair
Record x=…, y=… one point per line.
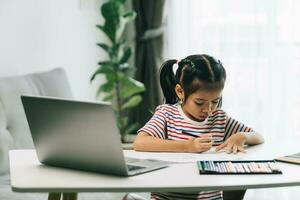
x=195, y=72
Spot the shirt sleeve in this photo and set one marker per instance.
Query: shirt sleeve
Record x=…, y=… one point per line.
x=156, y=126
x=233, y=126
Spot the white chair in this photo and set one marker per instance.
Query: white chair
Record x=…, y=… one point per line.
x=14, y=130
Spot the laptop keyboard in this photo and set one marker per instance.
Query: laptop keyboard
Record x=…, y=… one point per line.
x=134, y=167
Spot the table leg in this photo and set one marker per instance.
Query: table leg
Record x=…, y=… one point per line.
x=54, y=196
x=69, y=196
x=234, y=195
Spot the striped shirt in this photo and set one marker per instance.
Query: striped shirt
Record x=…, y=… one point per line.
x=169, y=122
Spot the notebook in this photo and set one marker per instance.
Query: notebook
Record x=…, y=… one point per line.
x=80, y=135
x=238, y=167
x=293, y=158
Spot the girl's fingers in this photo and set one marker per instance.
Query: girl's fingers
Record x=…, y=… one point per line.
x=235, y=149
x=202, y=146
x=229, y=148
x=206, y=145
x=241, y=149
x=221, y=146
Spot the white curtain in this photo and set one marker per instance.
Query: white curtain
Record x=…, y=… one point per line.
x=258, y=43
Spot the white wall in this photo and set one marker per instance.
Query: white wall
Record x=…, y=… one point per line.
x=38, y=35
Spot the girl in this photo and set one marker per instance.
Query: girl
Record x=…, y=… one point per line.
x=191, y=120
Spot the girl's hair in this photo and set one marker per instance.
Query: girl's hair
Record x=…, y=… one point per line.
x=195, y=72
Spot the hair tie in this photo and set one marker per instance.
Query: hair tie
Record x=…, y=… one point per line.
x=175, y=67
x=187, y=61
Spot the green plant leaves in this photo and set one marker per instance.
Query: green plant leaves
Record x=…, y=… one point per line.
x=106, y=48
x=118, y=88
x=108, y=97
x=115, y=19
x=111, y=13
x=126, y=55
x=130, y=86
x=121, y=1
x=105, y=68
x=109, y=31
x=107, y=87
x=124, y=120
x=123, y=21
x=132, y=102
x=131, y=128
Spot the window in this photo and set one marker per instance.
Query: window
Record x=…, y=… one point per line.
x=258, y=43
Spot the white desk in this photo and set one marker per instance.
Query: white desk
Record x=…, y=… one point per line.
x=28, y=175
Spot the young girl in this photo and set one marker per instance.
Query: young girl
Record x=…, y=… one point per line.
x=191, y=120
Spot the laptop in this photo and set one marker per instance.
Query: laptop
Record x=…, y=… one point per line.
x=80, y=135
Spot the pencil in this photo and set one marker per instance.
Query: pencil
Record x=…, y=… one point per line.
x=190, y=134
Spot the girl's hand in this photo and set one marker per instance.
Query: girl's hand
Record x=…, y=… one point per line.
x=199, y=144
x=233, y=144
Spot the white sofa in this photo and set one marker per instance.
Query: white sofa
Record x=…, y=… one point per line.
x=14, y=130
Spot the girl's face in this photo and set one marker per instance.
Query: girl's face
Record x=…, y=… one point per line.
x=200, y=104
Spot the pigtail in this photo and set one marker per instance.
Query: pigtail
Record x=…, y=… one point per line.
x=220, y=103
x=168, y=81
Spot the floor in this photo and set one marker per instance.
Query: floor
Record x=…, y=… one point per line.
x=283, y=193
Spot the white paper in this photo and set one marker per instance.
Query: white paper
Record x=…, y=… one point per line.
x=184, y=157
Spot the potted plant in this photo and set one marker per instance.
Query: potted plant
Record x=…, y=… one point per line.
x=119, y=88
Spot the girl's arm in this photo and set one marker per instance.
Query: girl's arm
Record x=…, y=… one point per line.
x=237, y=135
x=146, y=142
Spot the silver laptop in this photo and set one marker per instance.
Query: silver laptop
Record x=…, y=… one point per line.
x=80, y=135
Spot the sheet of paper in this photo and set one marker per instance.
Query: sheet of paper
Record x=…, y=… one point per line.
x=184, y=157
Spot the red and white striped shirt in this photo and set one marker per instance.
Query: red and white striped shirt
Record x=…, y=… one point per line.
x=169, y=122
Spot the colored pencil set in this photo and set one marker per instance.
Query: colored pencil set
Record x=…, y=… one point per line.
x=238, y=167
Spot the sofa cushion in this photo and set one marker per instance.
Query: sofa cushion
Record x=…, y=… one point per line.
x=14, y=130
